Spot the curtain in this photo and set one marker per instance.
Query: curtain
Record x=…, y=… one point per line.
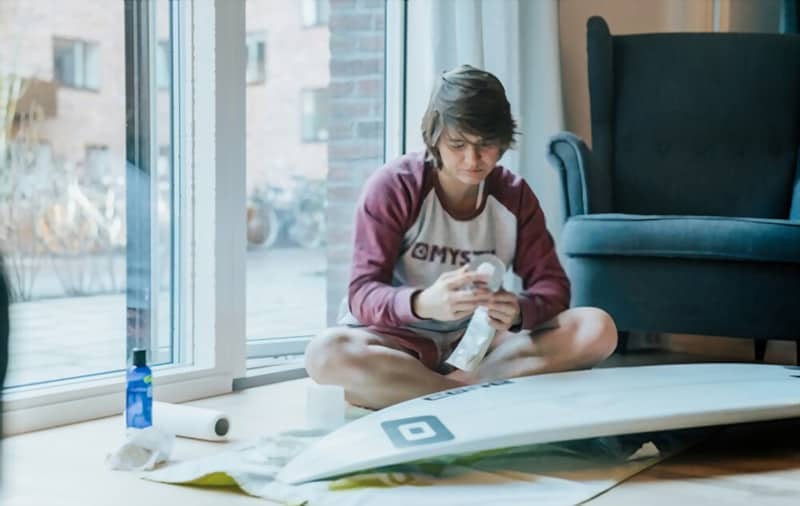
x=517, y=40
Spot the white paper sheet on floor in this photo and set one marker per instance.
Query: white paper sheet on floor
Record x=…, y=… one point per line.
x=545, y=474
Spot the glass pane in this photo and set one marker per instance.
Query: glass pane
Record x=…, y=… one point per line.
x=161, y=240
x=315, y=12
x=63, y=213
x=309, y=11
x=64, y=62
x=256, y=56
x=308, y=115
x=149, y=188
x=323, y=11
x=326, y=86
x=91, y=62
x=163, y=64
x=321, y=115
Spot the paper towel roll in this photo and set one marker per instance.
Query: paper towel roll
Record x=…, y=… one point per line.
x=190, y=421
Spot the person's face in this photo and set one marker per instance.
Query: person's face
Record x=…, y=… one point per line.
x=467, y=158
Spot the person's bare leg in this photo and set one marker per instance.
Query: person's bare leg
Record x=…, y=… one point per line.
x=372, y=374
x=583, y=337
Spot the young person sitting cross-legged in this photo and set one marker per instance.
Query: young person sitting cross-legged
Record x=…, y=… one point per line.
x=411, y=294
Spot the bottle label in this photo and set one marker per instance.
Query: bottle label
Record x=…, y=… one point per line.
x=139, y=404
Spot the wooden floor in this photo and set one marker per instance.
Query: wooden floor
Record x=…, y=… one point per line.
x=751, y=464
x=754, y=464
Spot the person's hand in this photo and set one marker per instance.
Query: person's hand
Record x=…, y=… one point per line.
x=503, y=310
x=446, y=299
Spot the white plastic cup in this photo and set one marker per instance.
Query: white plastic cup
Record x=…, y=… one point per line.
x=325, y=406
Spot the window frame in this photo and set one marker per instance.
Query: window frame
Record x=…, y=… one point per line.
x=213, y=320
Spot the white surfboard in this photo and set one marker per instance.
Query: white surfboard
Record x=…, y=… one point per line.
x=553, y=407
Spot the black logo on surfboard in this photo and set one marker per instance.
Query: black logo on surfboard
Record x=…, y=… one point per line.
x=462, y=390
x=415, y=431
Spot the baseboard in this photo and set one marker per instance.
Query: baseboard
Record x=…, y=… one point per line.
x=730, y=348
x=646, y=341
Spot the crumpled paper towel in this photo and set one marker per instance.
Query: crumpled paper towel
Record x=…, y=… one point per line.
x=143, y=451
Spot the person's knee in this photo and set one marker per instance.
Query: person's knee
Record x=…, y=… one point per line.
x=599, y=330
x=330, y=354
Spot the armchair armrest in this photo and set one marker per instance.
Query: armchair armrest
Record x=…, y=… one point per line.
x=586, y=185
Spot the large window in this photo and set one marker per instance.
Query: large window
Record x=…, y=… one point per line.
x=98, y=201
x=313, y=133
x=121, y=210
x=76, y=63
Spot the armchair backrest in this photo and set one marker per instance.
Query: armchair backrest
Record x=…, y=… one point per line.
x=696, y=123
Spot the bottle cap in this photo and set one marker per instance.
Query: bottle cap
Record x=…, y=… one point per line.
x=139, y=357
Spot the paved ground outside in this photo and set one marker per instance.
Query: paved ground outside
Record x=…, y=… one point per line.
x=74, y=336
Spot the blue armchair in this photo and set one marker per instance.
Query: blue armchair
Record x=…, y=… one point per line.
x=684, y=216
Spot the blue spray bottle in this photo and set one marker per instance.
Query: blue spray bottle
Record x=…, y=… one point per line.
x=139, y=401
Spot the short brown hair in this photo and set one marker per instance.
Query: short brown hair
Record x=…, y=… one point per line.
x=471, y=101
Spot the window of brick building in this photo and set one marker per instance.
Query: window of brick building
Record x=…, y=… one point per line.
x=256, y=69
x=76, y=63
x=316, y=12
x=315, y=115
x=98, y=163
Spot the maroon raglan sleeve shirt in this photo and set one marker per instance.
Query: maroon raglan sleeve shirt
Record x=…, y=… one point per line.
x=405, y=238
